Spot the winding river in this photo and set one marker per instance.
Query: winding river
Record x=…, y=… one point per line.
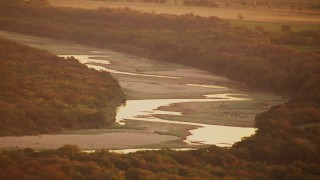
x=151, y=86
x=144, y=110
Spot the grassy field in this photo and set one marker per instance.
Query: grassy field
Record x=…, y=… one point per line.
x=304, y=48
x=270, y=19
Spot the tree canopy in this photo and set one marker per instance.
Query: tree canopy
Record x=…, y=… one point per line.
x=40, y=92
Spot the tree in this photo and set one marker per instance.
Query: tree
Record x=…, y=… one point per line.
x=285, y=28
x=138, y=174
x=69, y=151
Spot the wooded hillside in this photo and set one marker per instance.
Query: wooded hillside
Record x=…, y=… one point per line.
x=41, y=93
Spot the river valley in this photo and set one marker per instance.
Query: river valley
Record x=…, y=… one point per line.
x=168, y=105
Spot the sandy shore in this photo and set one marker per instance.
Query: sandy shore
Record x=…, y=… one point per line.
x=114, y=140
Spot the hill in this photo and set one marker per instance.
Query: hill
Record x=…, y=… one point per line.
x=42, y=93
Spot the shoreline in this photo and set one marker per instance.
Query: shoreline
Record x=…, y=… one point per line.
x=114, y=140
x=136, y=87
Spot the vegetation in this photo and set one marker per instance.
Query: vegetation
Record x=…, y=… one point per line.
x=287, y=143
x=296, y=160
x=252, y=57
x=293, y=5
x=275, y=26
x=201, y=3
x=42, y=93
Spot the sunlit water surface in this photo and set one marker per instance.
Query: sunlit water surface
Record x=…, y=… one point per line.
x=145, y=110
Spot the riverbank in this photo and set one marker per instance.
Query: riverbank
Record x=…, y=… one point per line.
x=175, y=82
x=93, y=139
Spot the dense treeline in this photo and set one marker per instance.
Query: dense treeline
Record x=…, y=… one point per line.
x=296, y=5
x=201, y=3
x=252, y=57
x=285, y=147
x=298, y=38
x=69, y=162
x=40, y=92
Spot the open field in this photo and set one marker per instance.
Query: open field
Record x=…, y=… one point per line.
x=250, y=15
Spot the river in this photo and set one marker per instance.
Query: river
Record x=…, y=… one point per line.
x=182, y=91
x=144, y=110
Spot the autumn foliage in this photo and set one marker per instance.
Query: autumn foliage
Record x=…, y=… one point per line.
x=259, y=59
x=286, y=145
x=40, y=92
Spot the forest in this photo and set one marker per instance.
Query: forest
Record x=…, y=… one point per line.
x=42, y=93
x=257, y=58
x=287, y=142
